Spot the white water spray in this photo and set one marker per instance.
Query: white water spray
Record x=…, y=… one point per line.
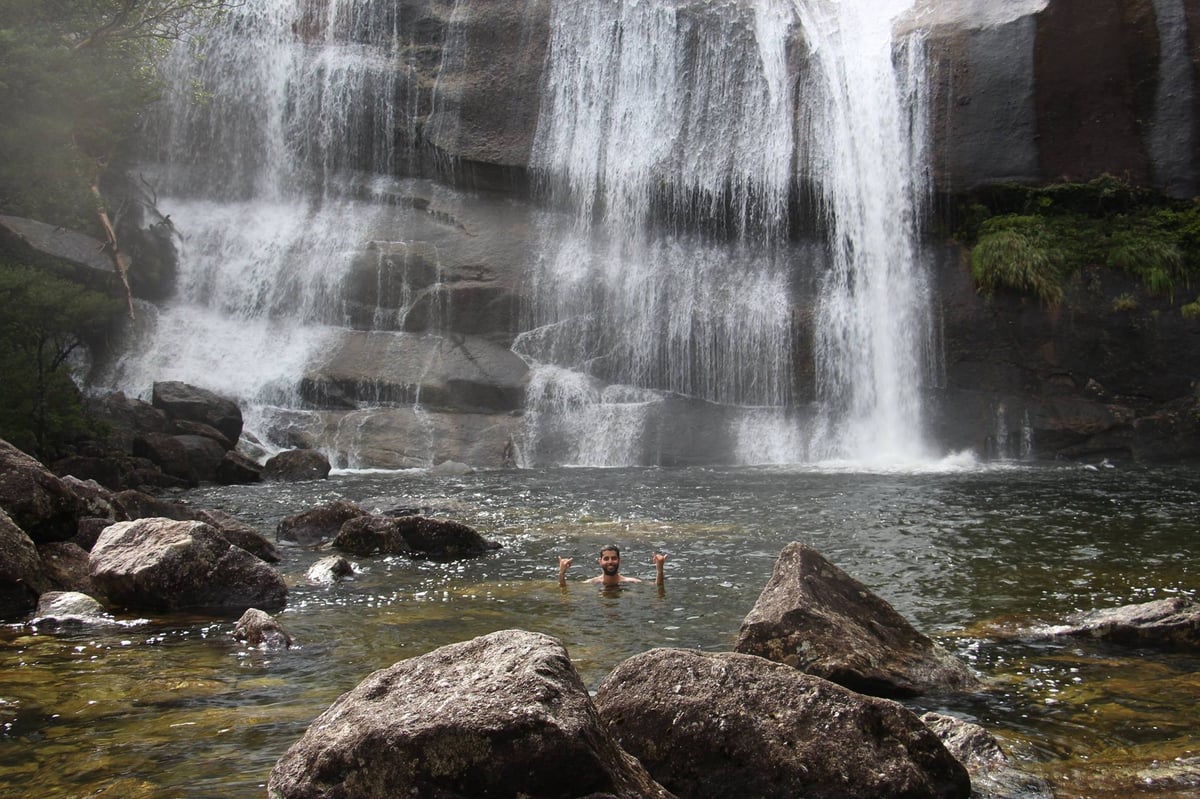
x=678, y=137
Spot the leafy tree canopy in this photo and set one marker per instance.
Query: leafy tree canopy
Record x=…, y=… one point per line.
x=44, y=320
x=74, y=77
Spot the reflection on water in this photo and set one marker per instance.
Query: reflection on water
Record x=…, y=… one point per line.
x=174, y=707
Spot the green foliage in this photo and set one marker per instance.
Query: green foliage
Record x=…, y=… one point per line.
x=75, y=75
x=1015, y=260
x=1125, y=302
x=43, y=321
x=1191, y=310
x=1064, y=228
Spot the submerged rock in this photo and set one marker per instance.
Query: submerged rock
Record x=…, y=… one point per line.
x=1165, y=623
x=330, y=569
x=258, y=628
x=502, y=715
x=722, y=724
x=162, y=564
x=993, y=773
x=813, y=616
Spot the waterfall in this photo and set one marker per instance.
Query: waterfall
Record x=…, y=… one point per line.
x=279, y=118
x=680, y=142
x=865, y=134
x=725, y=264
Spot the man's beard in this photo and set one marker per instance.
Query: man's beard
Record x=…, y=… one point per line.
x=611, y=569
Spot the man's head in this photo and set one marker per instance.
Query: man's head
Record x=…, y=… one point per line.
x=610, y=560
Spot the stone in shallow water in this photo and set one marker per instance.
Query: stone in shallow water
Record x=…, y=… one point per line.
x=1165, y=623
x=813, y=616
x=715, y=725
x=502, y=715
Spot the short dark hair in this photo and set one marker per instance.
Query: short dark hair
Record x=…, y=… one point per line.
x=610, y=548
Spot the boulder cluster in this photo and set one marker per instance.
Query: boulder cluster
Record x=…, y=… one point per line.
x=805, y=705
x=184, y=436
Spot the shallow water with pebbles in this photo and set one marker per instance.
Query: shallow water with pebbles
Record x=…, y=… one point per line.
x=974, y=555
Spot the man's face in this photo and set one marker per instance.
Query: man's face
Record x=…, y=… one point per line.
x=610, y=562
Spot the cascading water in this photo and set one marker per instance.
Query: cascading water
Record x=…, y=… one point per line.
x=278, y=116
x=679, y=138
x=679, y=147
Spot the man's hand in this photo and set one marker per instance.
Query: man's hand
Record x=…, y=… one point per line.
x=563, y=565
x=659, y=560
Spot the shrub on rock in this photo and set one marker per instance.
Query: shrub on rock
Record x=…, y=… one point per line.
x=708, y=725
x=502, y=715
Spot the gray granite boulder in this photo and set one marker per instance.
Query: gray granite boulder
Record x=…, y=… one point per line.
x=813, y=616
x=503, y=715
x=168, y=565
x=1172, y=624
x=70, y=609
x=37, y=501
x=716, y=725
x=994, y=775
x=414, y=536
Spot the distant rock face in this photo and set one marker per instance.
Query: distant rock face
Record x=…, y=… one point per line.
x=162, y=564
x=501, y=715
x=710, y=725
x=814, y=617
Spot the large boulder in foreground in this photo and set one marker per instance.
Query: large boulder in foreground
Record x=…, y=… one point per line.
x=1172, y=624
x=163, y=564
x=502, y=715
x=813, y=616
x=723, y=724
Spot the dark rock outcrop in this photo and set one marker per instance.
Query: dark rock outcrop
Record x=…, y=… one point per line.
x=183, y=402
x=722, y=724
x=814, y=617
x=237, y=469
x=294, y=465
x=1171, y=624
x=502, y=715
x=317, y=525
x=21, y=575
x=66, y=567
x=414, y=536
x=37, y=501
x=258, y=628
x=162, y=564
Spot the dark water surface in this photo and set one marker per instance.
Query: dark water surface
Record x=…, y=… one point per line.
x=173, y=707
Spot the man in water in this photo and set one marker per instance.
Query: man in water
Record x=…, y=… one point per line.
x=610, y=568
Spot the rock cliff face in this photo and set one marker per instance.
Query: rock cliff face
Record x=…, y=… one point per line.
x=1029, y=91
